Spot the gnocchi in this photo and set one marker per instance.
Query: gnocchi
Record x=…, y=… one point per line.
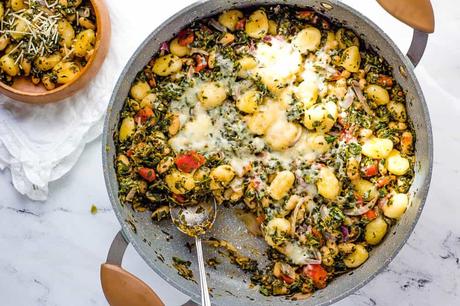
x=283, y=114
x=212, y=94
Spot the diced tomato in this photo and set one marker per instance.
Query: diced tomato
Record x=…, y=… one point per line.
x=359, y=199
x=185, y=37
x=240, y=24
x=371, y=214
x=384, y=80
x=287, y=279
x=260, y=219
x=130, y=152
x=317, y=274
x=143, y=114
x=305, y=15
x=147, y=174
x=371, y=170
x=189, y=161
x=383, y=181
x=336, y=76
x=178, y=198
x=201, y=63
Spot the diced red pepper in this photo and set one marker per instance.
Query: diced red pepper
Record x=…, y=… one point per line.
x=371, y=170
x=383, y=181
x=143, y=114
x=189, y=161
x=130, y=152
x=201, y=63
x=371, y=215
x=240, y=24
x=287, y=279
x=305, y=15
x=147, y=174
x=260, y=219
x=385, y=81
x=185, y=37
x=317, y=274
x=179, y=198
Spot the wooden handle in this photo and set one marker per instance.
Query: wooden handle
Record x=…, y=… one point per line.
x=415, y=13
x=121, y=288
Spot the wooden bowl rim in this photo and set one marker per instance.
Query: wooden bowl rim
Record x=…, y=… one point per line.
x=98, y=6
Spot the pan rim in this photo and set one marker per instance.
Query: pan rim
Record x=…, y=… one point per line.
x=109, y=170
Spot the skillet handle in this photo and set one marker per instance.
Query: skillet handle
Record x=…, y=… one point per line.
x=417, y=14
x=120, y=287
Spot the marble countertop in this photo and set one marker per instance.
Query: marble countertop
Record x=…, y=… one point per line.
x=51, y=252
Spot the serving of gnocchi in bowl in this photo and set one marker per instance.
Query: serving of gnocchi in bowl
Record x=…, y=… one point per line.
x=51, y=49
x=307, y=126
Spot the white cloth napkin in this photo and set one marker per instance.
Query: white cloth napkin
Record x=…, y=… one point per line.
x=41, y=143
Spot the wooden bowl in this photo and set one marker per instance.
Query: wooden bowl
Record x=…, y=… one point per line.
x=25, y=91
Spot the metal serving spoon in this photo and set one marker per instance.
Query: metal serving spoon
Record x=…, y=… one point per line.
x=194, y=221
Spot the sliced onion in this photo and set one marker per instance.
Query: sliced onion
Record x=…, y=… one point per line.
x=348, y=100
x=164, y=46
x=358, y=211
x=324, y=211
x=295, y=213
x=361, y=97
x=345, y=232
x=200, y=51
x=216, y=25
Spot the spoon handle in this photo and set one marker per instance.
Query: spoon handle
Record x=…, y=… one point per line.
x=205, y=301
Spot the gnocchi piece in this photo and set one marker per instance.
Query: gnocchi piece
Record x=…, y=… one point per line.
x=377, y=147
x=148, y=100
x=245, y=65
x=346, y=38
x=272, y=27
x=396, y=206
x=282, y=135
x=8, y=64
x=281, y=184
x=126, y=129
x=276, y=230
x=318, y=143
x=230, y=18
x=66, y=32
x=396, y=164
x=351, y=59
x=328, y=185
x=44, y=63
x=321, y=117
x=331, y=43
x=177, y=49
x=4, y=41
x=84, y=42
x=140, y=90
x=223, y=174
x=26, y=66
x=259, y=122
x=249, y=101
x=212, y=94
x=375, y=231
x=257, y=24
x=20, y=28
x=48, y=82
x=307, y=93
x=365, y=189
x=17, y=5
x=227, y=39
x=397, y=111
x=66, y=72
x=179, y=182
x=357, y=257
x=167, y=65
x=377, y=94
x=307, y=40
x=86, y=23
